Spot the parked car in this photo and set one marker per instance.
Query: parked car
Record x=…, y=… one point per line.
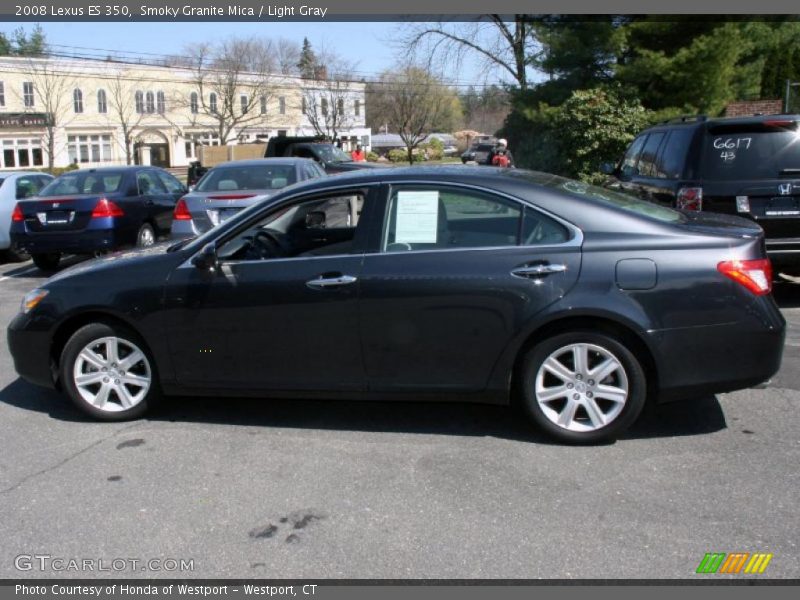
x=17, y=185
x=746, y=166
x=579, y=302
x=95, y=210
x=229, y=187
x=478, y=153
x=331, y=158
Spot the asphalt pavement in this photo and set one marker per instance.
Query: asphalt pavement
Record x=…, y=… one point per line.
x=309, y=489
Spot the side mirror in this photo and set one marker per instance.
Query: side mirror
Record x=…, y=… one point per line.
x=206, y=259
x=315, y=219
x=608, y=168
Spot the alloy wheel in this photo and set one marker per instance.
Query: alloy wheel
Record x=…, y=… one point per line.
x=581, y=387
x=112, y=374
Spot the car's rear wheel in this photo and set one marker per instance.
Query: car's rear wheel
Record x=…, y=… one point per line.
x=582, y=386
x=146, y=236
x=48, y=261
x=108, y=373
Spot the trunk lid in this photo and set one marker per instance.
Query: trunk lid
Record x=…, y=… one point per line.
x=57, y=214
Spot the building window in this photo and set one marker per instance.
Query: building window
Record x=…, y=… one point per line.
x=195, y=140
x=324, y=108
x=27, y=94
x=140, y=102
x=2, y=94
x=21, y=153
x=150, y=102
x=282, y=105
x=340, y=106
x=212, y=102
x=161, y=103
x=282, y=133
x=102, y=105
x=243, y=102
x=193, y=103
x=77, y=100
x=358, y=108
x=303, y=105
x=89, y=148
x=263, y=105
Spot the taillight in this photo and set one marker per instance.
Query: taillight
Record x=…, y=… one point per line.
x=755, y=275
x=690, y=198
x=17, y=215
x=181, y=212
x=106, y=208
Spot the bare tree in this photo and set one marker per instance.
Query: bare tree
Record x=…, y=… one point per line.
x=412, y=99
x=287, y=55
x=53, y=87
x=504, y=45
x=232, y=79
x=121, y=99
x=327, y=99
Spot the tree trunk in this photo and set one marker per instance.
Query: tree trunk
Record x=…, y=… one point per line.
x=410, y=154
x=51, y=149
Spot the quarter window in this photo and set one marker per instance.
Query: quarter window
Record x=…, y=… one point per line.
x=628, y=166
x=432, y=219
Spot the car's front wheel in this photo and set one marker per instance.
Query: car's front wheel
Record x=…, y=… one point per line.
x=47, y=262
x=108, y=373
x=582, y=386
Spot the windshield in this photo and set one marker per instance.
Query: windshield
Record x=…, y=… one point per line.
x=758, y=151
x=252, y=177
x=84, y=182
x=332, y=154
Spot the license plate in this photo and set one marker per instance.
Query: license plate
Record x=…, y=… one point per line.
x=226, y=214
x=56, y=217
x=782, y=207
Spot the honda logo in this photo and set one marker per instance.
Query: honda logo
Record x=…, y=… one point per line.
x=785, y=189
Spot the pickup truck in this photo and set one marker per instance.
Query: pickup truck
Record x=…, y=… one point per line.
x=331, y=158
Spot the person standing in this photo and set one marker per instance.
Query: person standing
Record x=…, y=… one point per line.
x=500, y=156
x=358, y=154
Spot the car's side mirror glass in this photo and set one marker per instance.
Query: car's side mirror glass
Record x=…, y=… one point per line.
x=315, y=219
x=206, y=259
x=607, y=168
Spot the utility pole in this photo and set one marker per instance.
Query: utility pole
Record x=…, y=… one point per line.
x=789, y=85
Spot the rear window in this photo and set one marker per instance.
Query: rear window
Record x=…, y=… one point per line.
x=253, y=177
x=86, y=182
x=751, y=151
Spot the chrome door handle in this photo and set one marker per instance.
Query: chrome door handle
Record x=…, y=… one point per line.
x=329, y=282
x=538, y=270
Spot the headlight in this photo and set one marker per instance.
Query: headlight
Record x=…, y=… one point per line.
x=32, y=298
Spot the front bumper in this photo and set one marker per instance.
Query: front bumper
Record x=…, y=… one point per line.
x=30, y=344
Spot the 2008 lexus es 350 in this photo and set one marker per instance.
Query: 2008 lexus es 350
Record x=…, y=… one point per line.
x=453, y=283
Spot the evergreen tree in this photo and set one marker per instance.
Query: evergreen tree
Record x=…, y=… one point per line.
x=308, y=60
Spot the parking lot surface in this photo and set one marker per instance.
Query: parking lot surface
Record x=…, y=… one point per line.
x=308, y=489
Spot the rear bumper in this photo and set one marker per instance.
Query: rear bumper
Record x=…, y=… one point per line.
x=700, y=361
x=30, y=349
x=184, y=229
x=784, y=251
x=74, y=242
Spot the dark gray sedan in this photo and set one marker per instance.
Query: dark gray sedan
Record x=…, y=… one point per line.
x=229, y=187
x=463, y=283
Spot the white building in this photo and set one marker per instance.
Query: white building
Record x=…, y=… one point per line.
x=78, y=110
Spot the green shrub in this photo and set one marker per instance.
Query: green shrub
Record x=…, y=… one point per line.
x=372, y=156
x=399, y=155
x=434, y=149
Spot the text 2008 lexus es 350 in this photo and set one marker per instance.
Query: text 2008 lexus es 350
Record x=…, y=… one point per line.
x=460, y=283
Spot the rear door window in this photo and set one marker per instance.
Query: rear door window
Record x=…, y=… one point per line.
x=432, y=219
x=647, y=162
x=173, y=185
x=631, y=158
x=149, y=184
x=766, y=150
x=673, y=157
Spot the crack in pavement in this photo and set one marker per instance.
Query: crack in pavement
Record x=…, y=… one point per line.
x=64, y=461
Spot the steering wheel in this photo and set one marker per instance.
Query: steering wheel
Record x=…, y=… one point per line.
x=269, y=244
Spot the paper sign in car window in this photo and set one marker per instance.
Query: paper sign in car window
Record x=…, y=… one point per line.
x=417, y=217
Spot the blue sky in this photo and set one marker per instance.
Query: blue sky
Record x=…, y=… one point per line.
x=368, y=44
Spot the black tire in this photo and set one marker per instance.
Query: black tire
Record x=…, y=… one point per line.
x=47, y=262
x=146, y=236
x=632, y=371
x=15, y=255
x=82, y=338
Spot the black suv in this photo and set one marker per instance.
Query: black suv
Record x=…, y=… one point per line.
x=746, y=166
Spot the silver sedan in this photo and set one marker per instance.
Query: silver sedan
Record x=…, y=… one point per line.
x=229, y=187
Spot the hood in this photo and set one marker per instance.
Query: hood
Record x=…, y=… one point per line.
x=115, y=259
